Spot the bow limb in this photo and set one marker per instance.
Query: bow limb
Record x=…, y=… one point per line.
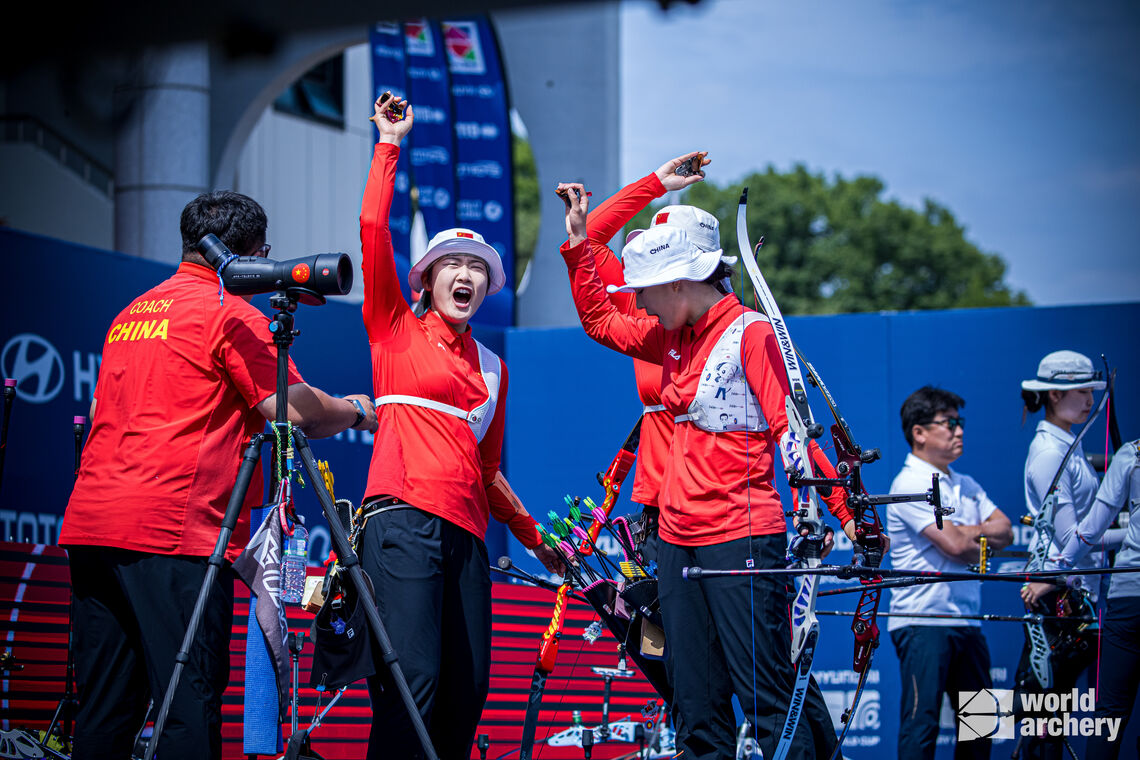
x=807, y=546
x=543, y=667
x=611, y=480
x=1113, y=424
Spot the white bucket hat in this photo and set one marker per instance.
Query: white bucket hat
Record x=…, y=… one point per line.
x=458, y=240
x=664, y=254
x=702, y=227
x=1065, y=371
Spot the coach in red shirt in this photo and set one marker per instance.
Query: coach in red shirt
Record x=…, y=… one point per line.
x=186, y=379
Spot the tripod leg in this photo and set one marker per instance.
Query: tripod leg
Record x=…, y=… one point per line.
x=66, y=707
x=351, y=563
x=214, y=564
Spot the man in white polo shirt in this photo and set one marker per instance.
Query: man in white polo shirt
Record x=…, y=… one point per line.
x=938, y=655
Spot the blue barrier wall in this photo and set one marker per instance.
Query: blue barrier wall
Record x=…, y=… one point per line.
x=571, y=405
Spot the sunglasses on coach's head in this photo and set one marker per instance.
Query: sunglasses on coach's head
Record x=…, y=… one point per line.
x=263, y=251
x=951, y=423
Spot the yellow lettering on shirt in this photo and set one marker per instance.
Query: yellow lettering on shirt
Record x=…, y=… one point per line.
x=141, y=329
x=157, y=306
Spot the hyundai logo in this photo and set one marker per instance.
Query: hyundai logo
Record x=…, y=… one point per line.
x=35, y=365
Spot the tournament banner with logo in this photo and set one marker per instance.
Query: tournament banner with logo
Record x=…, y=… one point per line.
x=386, y=41
x=483, y=148
x=432, y=141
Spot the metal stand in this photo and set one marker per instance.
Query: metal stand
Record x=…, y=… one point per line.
x=296, y=643
x=285, y=302
x=9, y=397
x=70, y=700
x=608, y=675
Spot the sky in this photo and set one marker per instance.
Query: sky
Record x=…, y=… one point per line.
x=1023, y=118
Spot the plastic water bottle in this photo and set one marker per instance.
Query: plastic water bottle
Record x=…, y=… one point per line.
x=293, y=560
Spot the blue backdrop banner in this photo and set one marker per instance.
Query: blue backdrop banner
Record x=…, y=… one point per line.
x=433, y=139
x=386, y=41
x=483, y=149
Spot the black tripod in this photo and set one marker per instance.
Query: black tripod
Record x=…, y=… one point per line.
x=285, y=302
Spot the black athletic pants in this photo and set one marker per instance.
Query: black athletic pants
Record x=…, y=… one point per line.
x=131, y=612
x=433, y=588
x=712, y=627
x=934, y=660
x=1119, y=674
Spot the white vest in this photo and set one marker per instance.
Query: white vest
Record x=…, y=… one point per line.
x=478, y=418
x=724, y=402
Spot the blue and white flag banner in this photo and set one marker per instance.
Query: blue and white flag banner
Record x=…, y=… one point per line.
x=482, y=148
x=433, y=139
x=386, y=42
x=460, y=149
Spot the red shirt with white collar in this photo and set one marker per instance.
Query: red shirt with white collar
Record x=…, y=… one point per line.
x=426, y=458
x=180, y=377
x=716, y=487
x=604, y=222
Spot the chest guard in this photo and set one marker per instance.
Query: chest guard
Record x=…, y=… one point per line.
x=478, y=418
x=724, y=402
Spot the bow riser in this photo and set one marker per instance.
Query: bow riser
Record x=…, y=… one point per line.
x=611, y=481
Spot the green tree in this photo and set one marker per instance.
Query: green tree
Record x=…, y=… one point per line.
x=834, y=246
x=526, y=204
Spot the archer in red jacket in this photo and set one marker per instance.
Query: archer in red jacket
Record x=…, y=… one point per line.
x=723, y=382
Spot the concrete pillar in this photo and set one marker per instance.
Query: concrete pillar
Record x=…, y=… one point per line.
x=162, y=148
x=572, y=116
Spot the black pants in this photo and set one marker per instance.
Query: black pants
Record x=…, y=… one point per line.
x=712, y=628
x=131, y=613
x=433, y=588
x=649, y=550
x=1119, y=674
x=934, y=660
